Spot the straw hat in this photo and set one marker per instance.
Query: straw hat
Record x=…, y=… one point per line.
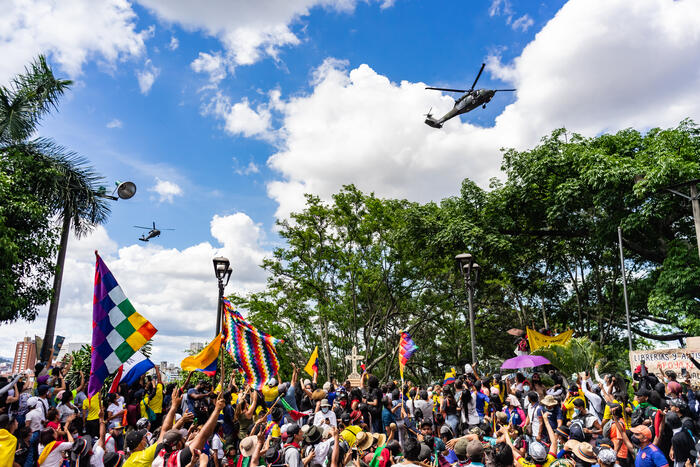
x=381, y=438
x=549, y=401
x=363, y=441
x=318, y=394
x=584, y=451
x=247, y=446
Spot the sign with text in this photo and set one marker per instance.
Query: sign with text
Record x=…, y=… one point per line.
x=662, y=360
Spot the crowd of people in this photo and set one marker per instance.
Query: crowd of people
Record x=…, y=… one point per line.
x=526, y=419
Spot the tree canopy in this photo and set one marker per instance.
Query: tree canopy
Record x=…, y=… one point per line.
x=358, y=269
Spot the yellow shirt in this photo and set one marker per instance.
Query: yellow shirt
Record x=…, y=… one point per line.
x=8, y=446
x=92, y=405
x=349, y=434
x=142, y=458
x=569, y=405
x=525, y=463
x=270, y=393
x=156, y=404
x=607, y=415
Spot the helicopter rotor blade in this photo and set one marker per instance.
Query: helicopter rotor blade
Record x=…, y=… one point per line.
x=447, y=89
x=478, y=76
x=166, y=229
x=496, y=90
x=429, y=114
x=140, y=227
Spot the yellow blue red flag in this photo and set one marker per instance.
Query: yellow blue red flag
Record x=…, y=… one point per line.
x=206, y=360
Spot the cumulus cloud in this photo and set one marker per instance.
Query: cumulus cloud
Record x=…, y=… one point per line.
x=173, y=288
x=587, y=69
x=212, y=64
x=114, y=123
x=240, y=118
x=69, y=31
x=166, y=190
x=147, y=76
x=248, y=31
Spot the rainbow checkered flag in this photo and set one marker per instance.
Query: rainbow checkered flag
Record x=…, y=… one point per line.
x=253, y=350
x=118, y=331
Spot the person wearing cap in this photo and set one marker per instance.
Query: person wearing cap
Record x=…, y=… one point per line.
x=460, y=450
x=35, y=417
x=573, y=394
x=648, y=455
x=537, y=453
x=325, y=415
x=607, y=457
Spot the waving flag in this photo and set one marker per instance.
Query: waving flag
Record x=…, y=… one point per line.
x=312, y=367
x=206, y=360
x=118, y=331
x=253, y=350
x=450, y=377
x=406, y=350
x=130, y=372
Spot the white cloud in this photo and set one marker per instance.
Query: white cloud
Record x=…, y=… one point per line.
x=249, y=31
x=588, y=69
x=69, y=31
x=173, y=288
x=114, y=123
x=174, y=43
x=500, y=7
x=147, y=76
x=166, y=190
x=249, y=169
x=240, y=118
x=523, y=23
x=212, y=64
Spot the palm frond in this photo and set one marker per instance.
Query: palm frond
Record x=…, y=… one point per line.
x=27, y=99
x=75, y=186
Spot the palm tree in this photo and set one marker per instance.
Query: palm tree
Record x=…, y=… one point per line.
x=73, y=193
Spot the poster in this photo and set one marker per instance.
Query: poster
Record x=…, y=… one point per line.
x=661, y=360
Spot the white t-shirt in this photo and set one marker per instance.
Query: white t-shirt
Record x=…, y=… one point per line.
x=64, y=411
x=111, y=410
x=56, y=457
x=217, y=446
x=320, y=418
x=425, y=406
x=98, y=455
x=35, y=417
x=534, y=412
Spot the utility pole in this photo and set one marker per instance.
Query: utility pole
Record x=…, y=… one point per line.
x=624, y=287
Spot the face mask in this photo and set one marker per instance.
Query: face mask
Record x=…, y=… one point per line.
x=526, y=388
x=324, y=410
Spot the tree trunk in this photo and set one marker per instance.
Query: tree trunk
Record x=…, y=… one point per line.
x=57, y=279
x=326, y=349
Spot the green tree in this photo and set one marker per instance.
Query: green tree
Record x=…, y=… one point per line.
x=69, y=188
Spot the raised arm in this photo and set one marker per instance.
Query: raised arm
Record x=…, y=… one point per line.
x=208, y=427
x=158, y=376
x=168, y=420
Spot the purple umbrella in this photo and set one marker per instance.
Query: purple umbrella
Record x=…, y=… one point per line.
x=524, y=361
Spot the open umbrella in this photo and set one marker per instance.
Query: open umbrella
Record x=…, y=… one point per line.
x=524, y=361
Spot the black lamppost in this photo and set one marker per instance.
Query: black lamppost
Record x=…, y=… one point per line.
x=470, y=272
x=222, y=270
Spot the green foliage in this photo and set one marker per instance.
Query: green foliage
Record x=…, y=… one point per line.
x=357, y=269
x=579, y=354
x=39, y=181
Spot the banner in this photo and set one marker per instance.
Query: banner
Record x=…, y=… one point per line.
x=538, y=340
x=662, y=360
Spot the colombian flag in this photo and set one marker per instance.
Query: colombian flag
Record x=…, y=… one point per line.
x=450, y=377
x=312, y=367
x=206, y=360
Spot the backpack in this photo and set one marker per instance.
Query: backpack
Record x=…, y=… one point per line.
x=576, y=430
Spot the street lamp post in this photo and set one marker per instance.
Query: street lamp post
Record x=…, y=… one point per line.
x=470, y=273
x=222, y=270
x=124, y=190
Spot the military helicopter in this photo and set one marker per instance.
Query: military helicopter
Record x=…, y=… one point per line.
x=153, y=232
x=470, y=100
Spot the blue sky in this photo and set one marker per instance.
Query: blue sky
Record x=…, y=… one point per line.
x=225, y=112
